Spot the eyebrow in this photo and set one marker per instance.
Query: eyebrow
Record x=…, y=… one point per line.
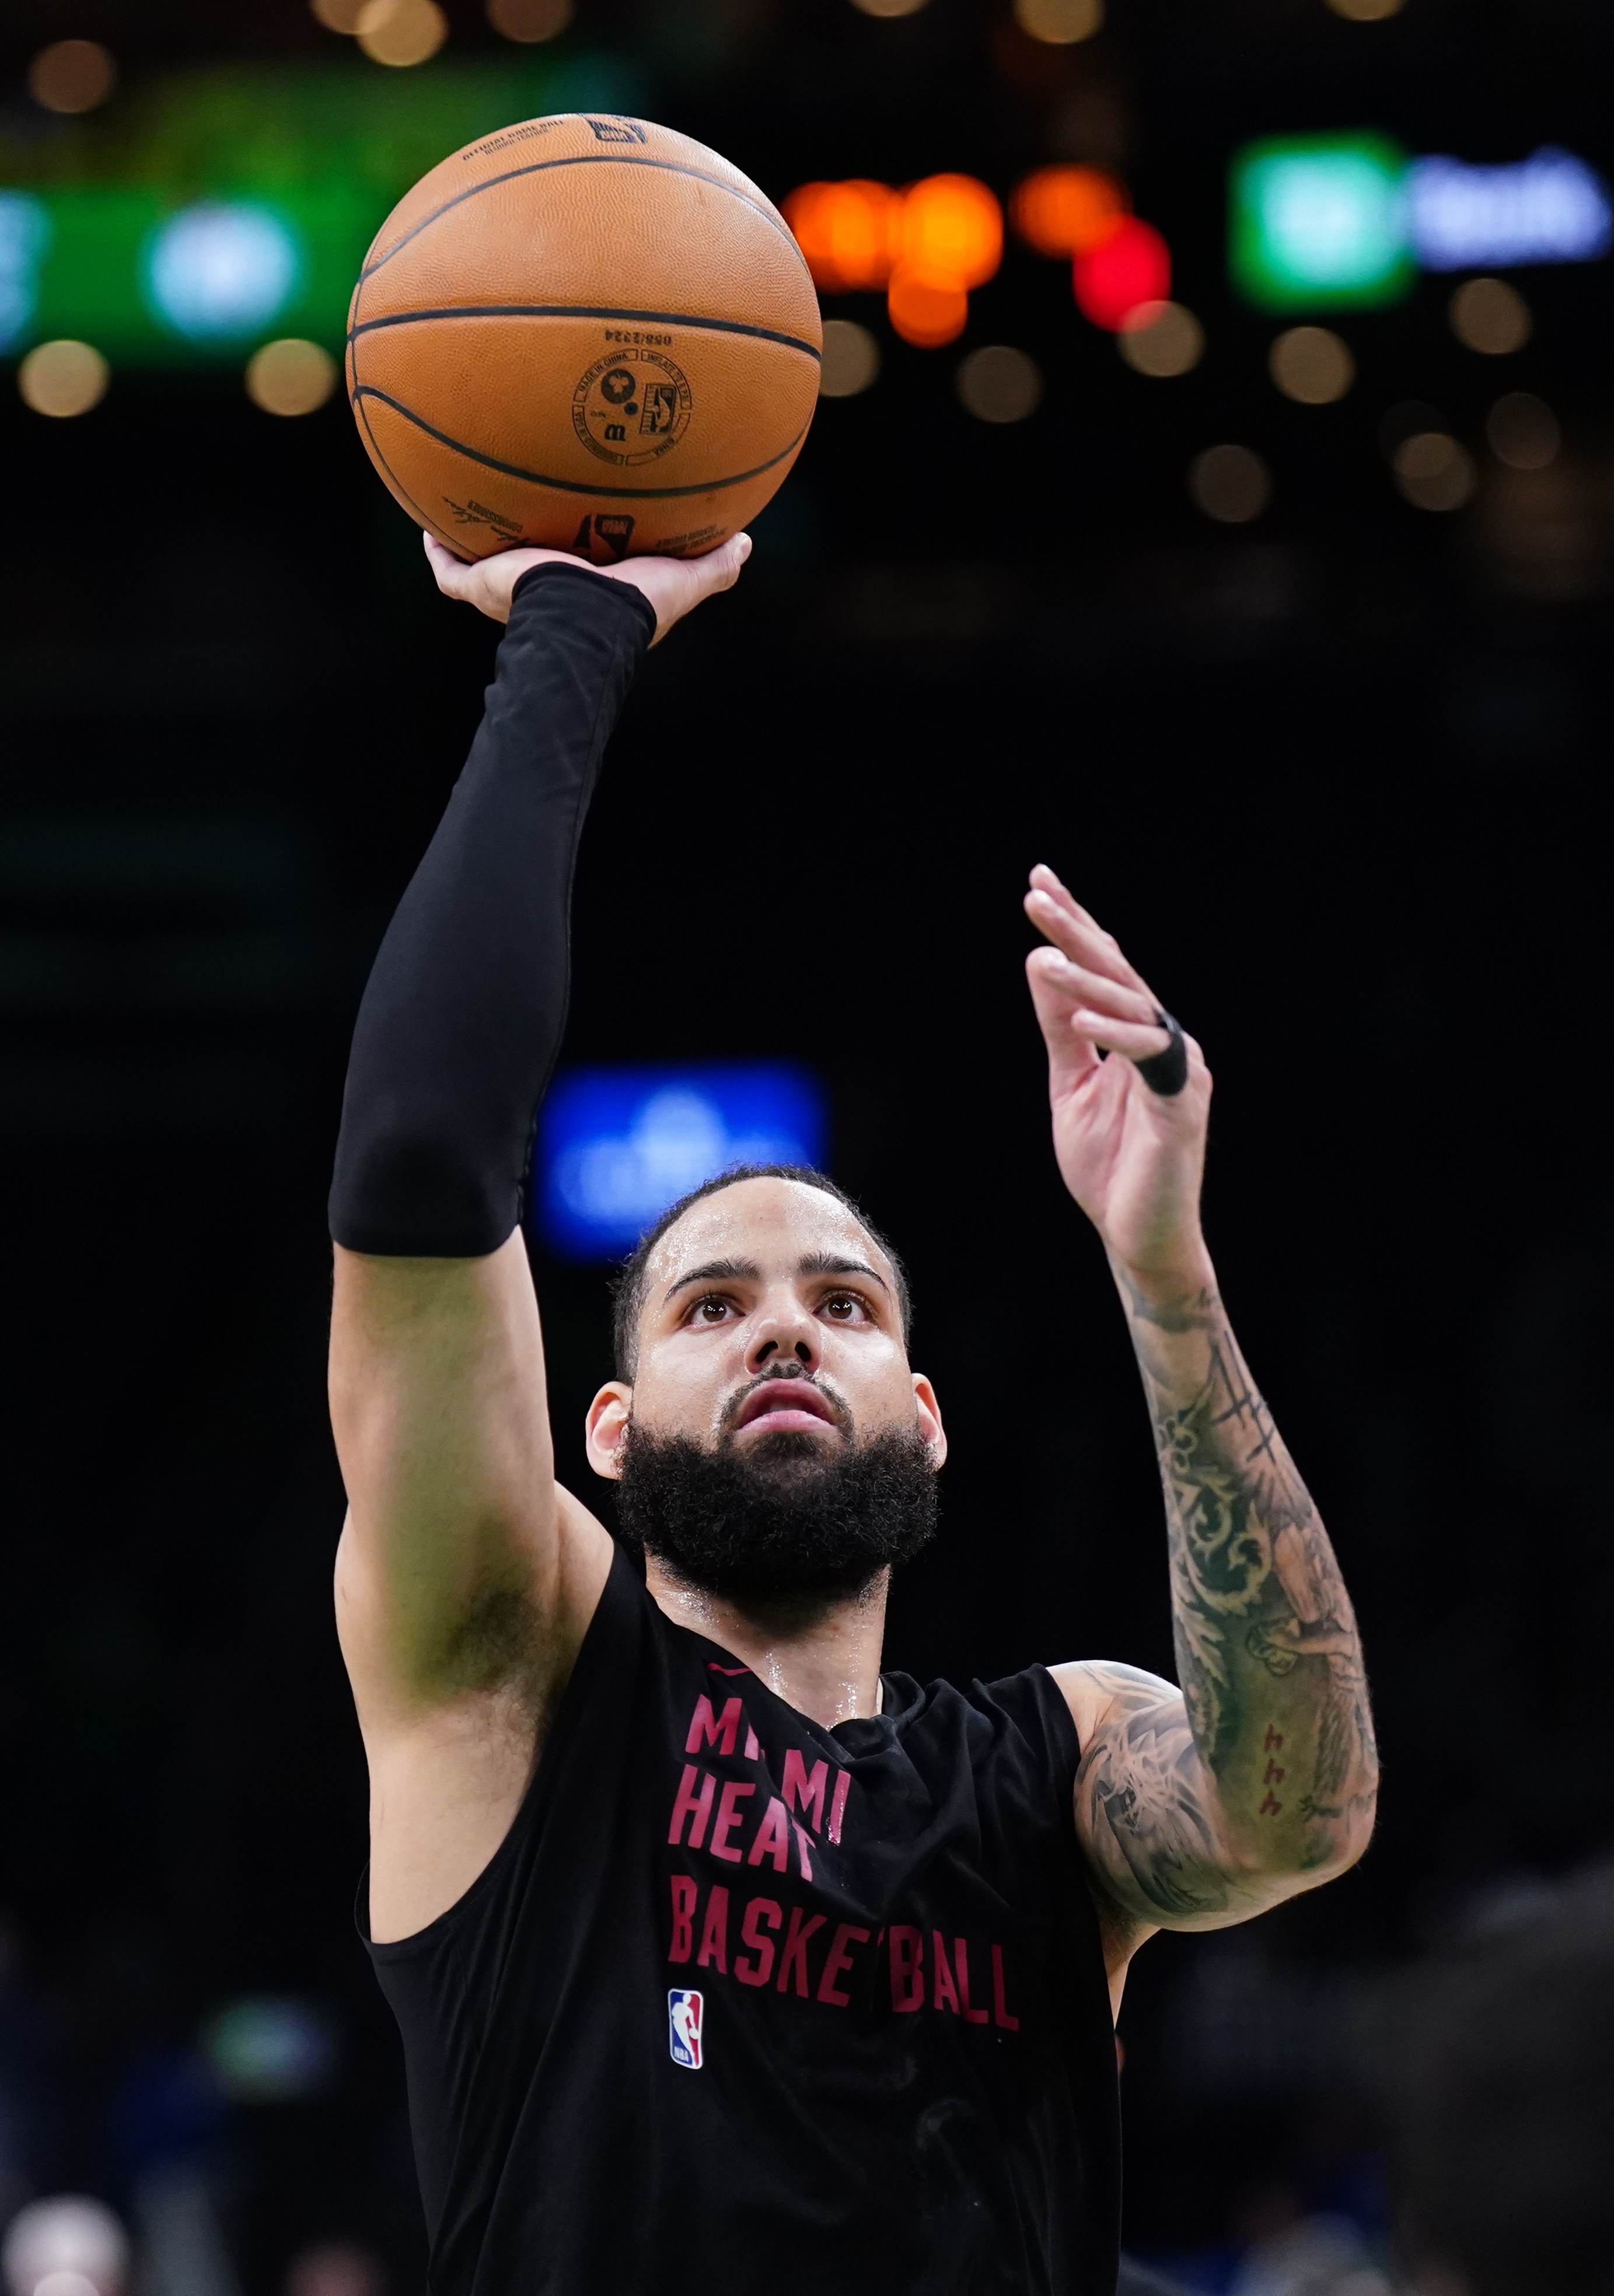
x=746, y=1271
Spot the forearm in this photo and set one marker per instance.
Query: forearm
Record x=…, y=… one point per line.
x=1267, y=1652
x=461, y=1018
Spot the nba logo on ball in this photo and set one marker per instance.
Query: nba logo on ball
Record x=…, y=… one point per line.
x=683, y=2014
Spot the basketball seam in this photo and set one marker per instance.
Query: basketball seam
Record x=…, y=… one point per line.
x=569, y=486
x=589, y=160
x=583, y=311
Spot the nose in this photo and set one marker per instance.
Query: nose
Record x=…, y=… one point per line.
x=784, y=1341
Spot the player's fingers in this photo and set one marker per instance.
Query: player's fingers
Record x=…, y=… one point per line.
x=1080, y=984
x=1080, y=938
x=452, y=575
x=1136, y=1040
x=1070, y=1051
x=719, y=570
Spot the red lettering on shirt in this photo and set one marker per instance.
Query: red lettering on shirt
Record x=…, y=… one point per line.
x=760, y=1911
x=712, y=1667
x=961, y=1949
x=944, y=1993
x=685, y=1894
x=688, y=1800
x=794, y=1957
x=773, y=1837
x=709, y=1729
x=907, y=1967
x=802, y=1857
x=999, y=2008
x=728, y=1817
x=843, y=1787
x=714, y=1931
x=839, y=1959
x=753, y=1752
x=804, y=1789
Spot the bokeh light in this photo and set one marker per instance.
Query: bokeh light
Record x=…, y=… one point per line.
x=1490, y=317
x=401, y=32
x=530, y=20
x=67, y=2245
x=851, y=361
x=844, y=232
x=72, y=75
x=889, y=7
x=221, y=269
x=270, y=2049
x=1162, y=338
x=63, y=378
x=1000, y=384
x=1230, y=484
x=949, y=230
x=291, y=376
x=1523, y=432
x=1434, y=470
x=925, y=312
x=1060, y=22
x=1311, y=364
x=339, y=15
x=1065, y=211
x=1367, y=12
x=1133, y=266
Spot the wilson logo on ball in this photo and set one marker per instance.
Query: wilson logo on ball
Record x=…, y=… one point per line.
x=631, y=406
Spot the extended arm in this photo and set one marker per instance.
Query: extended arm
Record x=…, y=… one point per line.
x=1199, y=1805
x=466, y=1577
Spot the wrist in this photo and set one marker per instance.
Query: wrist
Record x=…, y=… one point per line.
x=1166, y=1279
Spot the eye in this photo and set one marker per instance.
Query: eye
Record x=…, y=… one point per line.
x=844, y=1306
x=712, y=1309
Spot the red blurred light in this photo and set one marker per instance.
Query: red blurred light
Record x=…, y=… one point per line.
x=1132, y=266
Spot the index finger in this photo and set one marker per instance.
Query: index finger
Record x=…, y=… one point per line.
x=1063, y=921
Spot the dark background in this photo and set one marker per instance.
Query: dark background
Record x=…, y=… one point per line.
x=1330, y=779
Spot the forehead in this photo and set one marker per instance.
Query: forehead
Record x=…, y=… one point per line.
x=776, y=1223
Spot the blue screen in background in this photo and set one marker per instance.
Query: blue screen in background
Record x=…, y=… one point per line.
x=617, y=1146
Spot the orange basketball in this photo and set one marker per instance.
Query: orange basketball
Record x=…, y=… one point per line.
x=587, y=334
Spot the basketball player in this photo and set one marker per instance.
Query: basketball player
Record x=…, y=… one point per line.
x=723, y=1961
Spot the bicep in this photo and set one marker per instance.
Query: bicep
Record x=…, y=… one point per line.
x=461, y=1566
x=1145, y=1805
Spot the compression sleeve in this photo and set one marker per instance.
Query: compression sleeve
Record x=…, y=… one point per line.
x=461, y=1018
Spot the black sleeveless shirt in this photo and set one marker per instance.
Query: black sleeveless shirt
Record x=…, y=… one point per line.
x=749, y=2007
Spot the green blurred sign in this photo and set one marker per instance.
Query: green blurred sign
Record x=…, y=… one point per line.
x=1321, y=222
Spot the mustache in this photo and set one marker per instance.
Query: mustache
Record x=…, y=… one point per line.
x=846, y=1423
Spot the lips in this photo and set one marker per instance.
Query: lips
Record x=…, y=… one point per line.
x=784, y=1405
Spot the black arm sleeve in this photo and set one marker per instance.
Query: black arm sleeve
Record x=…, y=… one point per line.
x=461, y=1018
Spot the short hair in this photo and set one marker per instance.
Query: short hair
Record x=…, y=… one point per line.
x=628, y=1290
x=1503, y=2103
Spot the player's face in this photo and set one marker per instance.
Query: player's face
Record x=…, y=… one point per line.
x=768, y=1310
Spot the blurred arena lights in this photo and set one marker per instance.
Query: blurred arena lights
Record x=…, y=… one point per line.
x=67, y=2245
x=1367, y=12
x=889, y=7
x=949, y=230
x=291, y=376
x=850, y=360
x=530, y=20
x=25, y=232
x=1230, y=484
x=1434, y=470
x=617, y=1146
x=221, y=269
x=999, y=384
x=1550, y=209
x=72, y=75
x=1130, y=267
x=1523, y=432
x=927, y=245
x=1312, y=366
x=926, y=312
x=339, y=15
x=63, y=378
x=1320, y=220
x=844, y=232
x=1490, y=317
x=1162, y=338
x=401, y=32
x=1064, y=211
x=270, y=2050
x=1061, y=23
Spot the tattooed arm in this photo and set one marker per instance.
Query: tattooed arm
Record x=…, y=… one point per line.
x=1200, y=1806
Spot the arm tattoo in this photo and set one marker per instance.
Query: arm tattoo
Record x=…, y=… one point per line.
x=1263, y=1775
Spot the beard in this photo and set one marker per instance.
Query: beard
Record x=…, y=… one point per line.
x=782, y=1523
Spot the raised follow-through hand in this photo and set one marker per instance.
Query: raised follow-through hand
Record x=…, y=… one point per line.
x=674, y=587
x=1133, y=1160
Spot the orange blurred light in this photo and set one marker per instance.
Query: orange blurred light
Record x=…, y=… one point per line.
x=927, y=312
x=844, y=231
x=1067, y=210
x=949, y=230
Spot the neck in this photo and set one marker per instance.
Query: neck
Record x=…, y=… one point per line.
x=823, y=1658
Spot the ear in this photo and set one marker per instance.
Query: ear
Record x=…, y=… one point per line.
x=928, y=1412
x=606, y=1425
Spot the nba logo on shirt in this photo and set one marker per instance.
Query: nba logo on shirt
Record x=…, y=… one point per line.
x=683, y=2011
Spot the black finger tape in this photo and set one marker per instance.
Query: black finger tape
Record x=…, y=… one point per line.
x=1166, y=1073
